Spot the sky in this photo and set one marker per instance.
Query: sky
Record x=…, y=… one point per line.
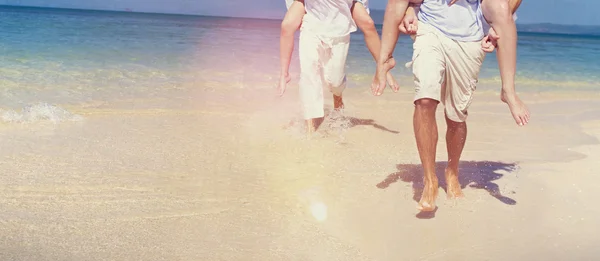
x=581, y=12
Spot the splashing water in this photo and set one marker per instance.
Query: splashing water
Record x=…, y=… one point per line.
x=334, y=122
x=337, y=123
x=39, y=112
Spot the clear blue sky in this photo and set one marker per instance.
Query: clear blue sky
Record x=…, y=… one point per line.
x=532, y=11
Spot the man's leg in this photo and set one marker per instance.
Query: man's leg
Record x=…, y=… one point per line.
x=291, y=22
x=429, y=73
x=311, y=75
x=456, y=136
x=335, y=70
x=499, y=14
x=367, y=26
x=426, y=134
x=464, y=63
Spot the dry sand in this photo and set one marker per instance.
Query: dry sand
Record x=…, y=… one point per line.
x=223, y=175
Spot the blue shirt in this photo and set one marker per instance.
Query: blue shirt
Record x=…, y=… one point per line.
x=463, y=21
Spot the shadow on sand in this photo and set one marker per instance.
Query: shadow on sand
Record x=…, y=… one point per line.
x=475, y=174
x=336, y=120
x=357, y=122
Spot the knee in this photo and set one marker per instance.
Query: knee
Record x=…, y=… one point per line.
x=496, y=10
x=288, y=26
x=426, y=104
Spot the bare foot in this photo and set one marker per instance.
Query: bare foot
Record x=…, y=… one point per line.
x=379, y=81
x=453, y=189
x=427, y=202
x=338, y=102
x=392, y=82
x=517, y=108
x=284, y=79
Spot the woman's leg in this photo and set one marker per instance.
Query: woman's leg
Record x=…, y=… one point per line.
x=367, y=26
x=499, y=15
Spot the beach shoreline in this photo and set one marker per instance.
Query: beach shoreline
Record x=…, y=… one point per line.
x=224, y=176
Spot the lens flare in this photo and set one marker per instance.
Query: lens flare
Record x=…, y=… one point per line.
x=319, y=211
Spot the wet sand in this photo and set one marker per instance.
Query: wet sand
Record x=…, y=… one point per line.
x=229, y=175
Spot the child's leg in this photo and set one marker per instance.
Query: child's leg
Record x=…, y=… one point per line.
x=367, y=26
x=291, y=22
x=499, y=15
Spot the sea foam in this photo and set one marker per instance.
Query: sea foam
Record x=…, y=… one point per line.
x=37, y=113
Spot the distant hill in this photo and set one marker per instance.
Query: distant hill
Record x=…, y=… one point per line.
x=377, y=16
x=559, y=29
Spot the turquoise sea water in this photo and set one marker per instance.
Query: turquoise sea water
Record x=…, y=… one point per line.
x=73, y=56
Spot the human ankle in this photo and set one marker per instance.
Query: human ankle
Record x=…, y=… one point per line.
x=431, y=180
x=451, y=170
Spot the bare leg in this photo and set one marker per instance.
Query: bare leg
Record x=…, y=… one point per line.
x=291, y=22
x=367, y=26
x=310, y=127
x=426, y=133
x=499, y=14
x=338, y=102
x=394, y=13
x=456, y=136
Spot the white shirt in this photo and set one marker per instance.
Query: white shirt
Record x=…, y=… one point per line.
x=329, y=18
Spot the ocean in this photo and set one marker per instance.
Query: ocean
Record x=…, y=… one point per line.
x=71, y=56
x=160, y=137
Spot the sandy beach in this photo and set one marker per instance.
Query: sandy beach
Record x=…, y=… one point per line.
x=227, y=174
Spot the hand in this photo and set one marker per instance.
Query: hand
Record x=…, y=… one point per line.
x=379, y=81
x=409, y=24
x=452, y=2
x=490, y=41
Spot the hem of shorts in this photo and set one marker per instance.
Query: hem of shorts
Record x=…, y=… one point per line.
x=425, y=96
x=454, y=119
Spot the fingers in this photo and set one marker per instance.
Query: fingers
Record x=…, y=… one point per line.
x=403, y=27
x=486, y=45
x=452, y=2
x=408, y=25
x=413, y=27
x=488, y=48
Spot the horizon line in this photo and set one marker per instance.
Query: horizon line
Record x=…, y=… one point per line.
x=131, y=11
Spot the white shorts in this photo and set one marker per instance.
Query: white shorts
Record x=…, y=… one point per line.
x=322, y=66
x=446, y=70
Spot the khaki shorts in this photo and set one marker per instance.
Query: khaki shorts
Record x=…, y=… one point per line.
x=446, y=70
